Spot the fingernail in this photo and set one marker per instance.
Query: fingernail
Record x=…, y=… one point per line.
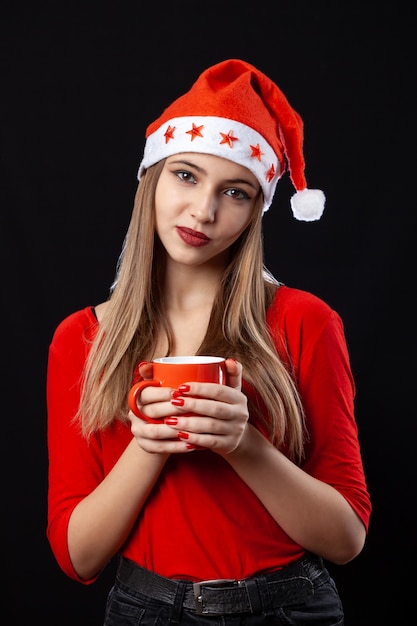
x=182, y=435
x=184, y=388
x=191, y=446
x=175, y=394
x=171, y=421
x=177, y=401
x=137, y=377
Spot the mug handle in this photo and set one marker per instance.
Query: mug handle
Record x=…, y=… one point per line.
x=132, y=398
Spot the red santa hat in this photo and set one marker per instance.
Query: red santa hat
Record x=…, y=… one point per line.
x=236, y=112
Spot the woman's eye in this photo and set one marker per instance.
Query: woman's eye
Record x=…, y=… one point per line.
x=237, y=193
x=185, y=176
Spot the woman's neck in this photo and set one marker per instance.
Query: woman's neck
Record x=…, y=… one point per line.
x=188, y=289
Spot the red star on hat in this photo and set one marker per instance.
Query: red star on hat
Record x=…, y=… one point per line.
x=257, y=152
x=169, y=133
x=195, y=131
x=228, y=138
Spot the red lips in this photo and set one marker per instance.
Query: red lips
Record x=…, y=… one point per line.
x=192, y=237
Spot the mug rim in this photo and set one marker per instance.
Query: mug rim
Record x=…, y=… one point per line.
x=189, y=360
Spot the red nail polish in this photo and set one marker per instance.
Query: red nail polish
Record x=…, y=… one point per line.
x=171, y=421
x=182, y=435
x=191, y=446
x=177, y=401
x=175, y=394
x=136, y=374
x=184, y=388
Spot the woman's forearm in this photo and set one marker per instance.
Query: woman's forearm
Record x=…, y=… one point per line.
x=311, y=512
x=102, y=521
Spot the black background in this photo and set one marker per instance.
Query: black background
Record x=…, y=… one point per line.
x=79, y=84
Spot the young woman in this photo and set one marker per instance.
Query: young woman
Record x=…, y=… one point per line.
x=225, y=517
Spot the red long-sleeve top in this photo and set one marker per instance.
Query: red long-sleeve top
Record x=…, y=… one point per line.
x=201, y=521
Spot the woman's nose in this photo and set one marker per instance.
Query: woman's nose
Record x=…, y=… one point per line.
x=204, y=208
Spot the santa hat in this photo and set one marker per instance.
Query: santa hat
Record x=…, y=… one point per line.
x=236, y=112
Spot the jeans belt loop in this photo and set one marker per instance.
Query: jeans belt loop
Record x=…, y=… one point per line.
x=254, y=594
x=178, y=601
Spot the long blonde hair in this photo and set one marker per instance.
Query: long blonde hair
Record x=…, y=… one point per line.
x=134, y=319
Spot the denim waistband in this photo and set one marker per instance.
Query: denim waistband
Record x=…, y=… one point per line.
x=294, y=584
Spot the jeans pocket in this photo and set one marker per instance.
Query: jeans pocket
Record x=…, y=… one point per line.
x=324, y=608
x=122, y=609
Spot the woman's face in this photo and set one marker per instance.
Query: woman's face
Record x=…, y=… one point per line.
x=202, y=205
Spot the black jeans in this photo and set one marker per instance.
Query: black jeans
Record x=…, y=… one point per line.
x=298, y=595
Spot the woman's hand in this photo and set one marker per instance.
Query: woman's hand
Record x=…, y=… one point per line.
x=220, y=415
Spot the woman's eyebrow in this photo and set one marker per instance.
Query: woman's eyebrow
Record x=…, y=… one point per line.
x=189, y=164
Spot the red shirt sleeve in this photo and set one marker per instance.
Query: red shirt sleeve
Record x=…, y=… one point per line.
x=75, y=467
x=312, y=334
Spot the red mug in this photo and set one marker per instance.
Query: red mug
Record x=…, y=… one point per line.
x=173, y=371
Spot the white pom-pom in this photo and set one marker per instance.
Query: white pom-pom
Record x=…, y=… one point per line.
x=308, y=205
